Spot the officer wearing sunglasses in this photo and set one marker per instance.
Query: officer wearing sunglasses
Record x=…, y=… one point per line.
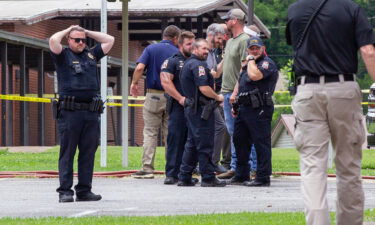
x=79, y=107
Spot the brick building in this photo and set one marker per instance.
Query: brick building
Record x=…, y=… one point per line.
x=26, y=68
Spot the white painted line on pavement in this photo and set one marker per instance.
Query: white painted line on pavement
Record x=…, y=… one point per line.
x=1, y=179
x=119, y=210
x=88, y=212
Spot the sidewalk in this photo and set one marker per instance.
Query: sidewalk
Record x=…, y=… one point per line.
x=130, y=197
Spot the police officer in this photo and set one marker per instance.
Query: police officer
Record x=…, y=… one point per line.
x=198, y=87
x=170, y=80
x=79, y=107
x=254, y=115
x=327, y=105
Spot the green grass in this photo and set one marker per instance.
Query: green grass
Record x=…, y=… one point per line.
x=283, y=160
x=248, y=218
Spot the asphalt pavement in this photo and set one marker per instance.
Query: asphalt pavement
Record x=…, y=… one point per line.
x=150, y=197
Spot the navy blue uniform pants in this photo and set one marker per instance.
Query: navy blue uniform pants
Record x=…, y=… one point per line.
x=176, y=139
x=77, y=128
x=199, y=146
x=253, y=126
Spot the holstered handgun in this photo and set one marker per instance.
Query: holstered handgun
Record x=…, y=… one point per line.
x=208, y=108
x=268, y=98
x=55, y=109
x=235, y=107
x=169, y=104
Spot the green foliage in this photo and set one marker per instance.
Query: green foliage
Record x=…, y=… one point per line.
x=249, y=218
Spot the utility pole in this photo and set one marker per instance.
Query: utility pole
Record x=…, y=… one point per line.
x=250, y=12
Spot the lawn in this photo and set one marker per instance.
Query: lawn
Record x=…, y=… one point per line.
x=283, y=160
x=248, y=218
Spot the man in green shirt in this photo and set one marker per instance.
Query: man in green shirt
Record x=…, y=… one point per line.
x=235, y=54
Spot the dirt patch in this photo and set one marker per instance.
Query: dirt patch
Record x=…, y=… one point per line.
x=27, y=149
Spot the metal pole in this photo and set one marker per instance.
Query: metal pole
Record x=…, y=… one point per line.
x=124, y=82
x=250, y=12
x=103, y=91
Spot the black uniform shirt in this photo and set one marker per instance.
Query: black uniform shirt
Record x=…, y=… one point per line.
x=194, y=74
x=267, y=84
x=333, y=39
x=85, y=84
x=174, y=65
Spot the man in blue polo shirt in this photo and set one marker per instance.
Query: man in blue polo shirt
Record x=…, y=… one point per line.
x=154, y=110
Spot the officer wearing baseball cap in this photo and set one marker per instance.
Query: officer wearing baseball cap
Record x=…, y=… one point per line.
x=253, y=111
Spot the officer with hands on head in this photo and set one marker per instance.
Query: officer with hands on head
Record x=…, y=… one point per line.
x=79, y=107
x=198, y=87
x=253, y=111
x=170, y=80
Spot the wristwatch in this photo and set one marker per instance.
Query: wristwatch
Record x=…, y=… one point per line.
x=250, y=57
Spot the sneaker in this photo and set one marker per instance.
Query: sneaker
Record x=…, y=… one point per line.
x=170, y=180
x=227, y=175
x=219, y=169
x=88, y=197
x=143, y=175
x=215, y=183
x=66, y=198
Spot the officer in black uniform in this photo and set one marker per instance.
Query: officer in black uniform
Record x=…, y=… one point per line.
x=78, y=108
x=170, y=80
x=253, y=110
x=198, y=87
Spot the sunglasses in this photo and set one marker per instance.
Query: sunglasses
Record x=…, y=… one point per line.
x=78, y=40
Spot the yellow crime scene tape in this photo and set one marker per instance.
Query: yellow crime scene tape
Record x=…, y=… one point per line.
x=47, y=98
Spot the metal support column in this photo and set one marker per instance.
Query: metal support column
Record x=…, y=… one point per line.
x=103, y=91
x=189, y=24
x=118, y=109
x=177, y=22
x=23, y=106
x=124, y=81
x=250, y=12
x=10, y=108
x=164, y=24
x=4, y=73
x=41, y=106
x=200, y=27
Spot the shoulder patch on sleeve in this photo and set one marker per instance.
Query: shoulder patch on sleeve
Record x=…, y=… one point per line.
x=265, y=65
x=165, y=64
x=201, y=71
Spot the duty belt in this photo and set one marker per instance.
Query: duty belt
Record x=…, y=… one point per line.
x=254, y=99
x=307, y=79
x=69, y=103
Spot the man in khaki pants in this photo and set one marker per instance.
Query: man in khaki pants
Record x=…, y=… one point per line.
x=154, y=110
x=327, y=105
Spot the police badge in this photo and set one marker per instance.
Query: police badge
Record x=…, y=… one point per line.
x=201, y=71
x=90, y=55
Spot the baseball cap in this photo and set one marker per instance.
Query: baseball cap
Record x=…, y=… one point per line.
x=254, y=41
x=234, y=13
x=250, y=32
